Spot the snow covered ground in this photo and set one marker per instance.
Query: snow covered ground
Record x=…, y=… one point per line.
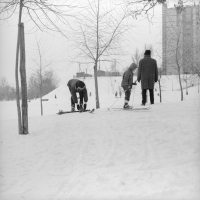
x=107, y=155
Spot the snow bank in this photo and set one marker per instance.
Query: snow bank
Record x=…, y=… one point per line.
x=106, y=155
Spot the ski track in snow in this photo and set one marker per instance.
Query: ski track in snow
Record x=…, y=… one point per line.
x=105, y=155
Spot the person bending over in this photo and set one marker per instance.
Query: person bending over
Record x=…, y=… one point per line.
x=77, y=86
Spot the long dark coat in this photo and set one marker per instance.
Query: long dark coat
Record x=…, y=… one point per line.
x=72, y=84
x=147, y=72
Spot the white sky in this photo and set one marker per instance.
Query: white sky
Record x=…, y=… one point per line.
x=59, y=50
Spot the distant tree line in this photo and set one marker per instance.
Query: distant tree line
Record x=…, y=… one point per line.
x=7, y=92
x=49, y=83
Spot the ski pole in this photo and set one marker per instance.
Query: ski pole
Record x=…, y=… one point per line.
x=133, y=95
x=113, y=104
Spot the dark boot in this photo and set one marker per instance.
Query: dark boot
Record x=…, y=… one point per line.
x=72, y=109
x=126, y=106
x=85, y=106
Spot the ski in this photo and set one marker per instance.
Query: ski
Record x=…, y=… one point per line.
x=61, y=112
x=133, y=108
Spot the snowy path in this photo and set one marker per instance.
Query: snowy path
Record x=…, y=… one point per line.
x=105, y=155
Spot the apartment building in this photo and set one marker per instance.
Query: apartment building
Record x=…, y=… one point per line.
x=180, y=39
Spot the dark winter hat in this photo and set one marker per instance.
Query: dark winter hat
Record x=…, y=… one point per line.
x=80, y=85
x=147, y=52
x=133, y=66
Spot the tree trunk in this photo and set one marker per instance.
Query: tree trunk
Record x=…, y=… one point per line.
x=16, y=71
x=96, y=60
x=41, y=106
x=41, y=81
x=23, y=82
x=179, y=77
x=17, y=84
x=96, y=86
x=198, y=72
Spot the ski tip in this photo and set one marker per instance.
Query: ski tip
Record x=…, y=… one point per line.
x=92, y=110
x=60, y=112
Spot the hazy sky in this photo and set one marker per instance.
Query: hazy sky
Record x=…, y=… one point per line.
x=58, y=50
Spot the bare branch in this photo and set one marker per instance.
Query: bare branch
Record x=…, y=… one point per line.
x=46, y=15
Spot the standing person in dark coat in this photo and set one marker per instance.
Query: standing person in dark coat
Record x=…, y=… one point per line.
x=127, y=82
x=148, y=74
x=77, y=86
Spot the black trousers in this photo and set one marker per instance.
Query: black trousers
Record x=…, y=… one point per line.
x=127, y=94
x=80, y=100
x=144, y=96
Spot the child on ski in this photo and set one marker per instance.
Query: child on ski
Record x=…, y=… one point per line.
x=77, y=86
x=127, y=82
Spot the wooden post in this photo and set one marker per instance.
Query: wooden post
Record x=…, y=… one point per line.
x=17, y=69
x=17, y=83
x=24, y=105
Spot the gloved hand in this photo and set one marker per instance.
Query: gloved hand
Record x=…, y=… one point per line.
x=127, y=88
x=134, y=83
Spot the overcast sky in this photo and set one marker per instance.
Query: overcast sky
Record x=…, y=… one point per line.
x=57, y=50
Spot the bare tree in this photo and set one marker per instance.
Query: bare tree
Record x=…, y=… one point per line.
x=197, y=71
x=43, y=74
x=142, y=7
x=113, y=66
x=99, y=31
x=46, y=15
x=136, y=57
x=176, y=56
x=178, y=59
x=7, y=92
x=41, y=66
x=3, y=88
x=49, y=83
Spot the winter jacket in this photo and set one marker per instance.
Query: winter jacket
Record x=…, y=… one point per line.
x=72, y=84
x=127, y=79
x=147, y=72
